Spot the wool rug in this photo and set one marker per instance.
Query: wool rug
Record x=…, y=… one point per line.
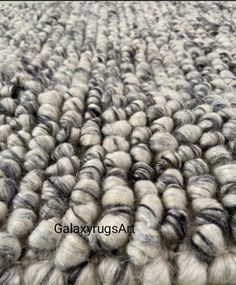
x=118, y=143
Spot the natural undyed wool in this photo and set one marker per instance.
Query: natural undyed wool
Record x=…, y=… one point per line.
x=118, y=115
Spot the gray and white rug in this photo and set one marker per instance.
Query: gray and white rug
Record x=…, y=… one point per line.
x=118, y=143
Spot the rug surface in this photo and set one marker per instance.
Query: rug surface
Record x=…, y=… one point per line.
x=118, y=143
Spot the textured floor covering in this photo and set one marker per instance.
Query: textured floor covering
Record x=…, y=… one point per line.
x=118, y=114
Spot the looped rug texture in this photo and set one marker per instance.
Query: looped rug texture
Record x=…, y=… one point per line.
x=118, y=143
